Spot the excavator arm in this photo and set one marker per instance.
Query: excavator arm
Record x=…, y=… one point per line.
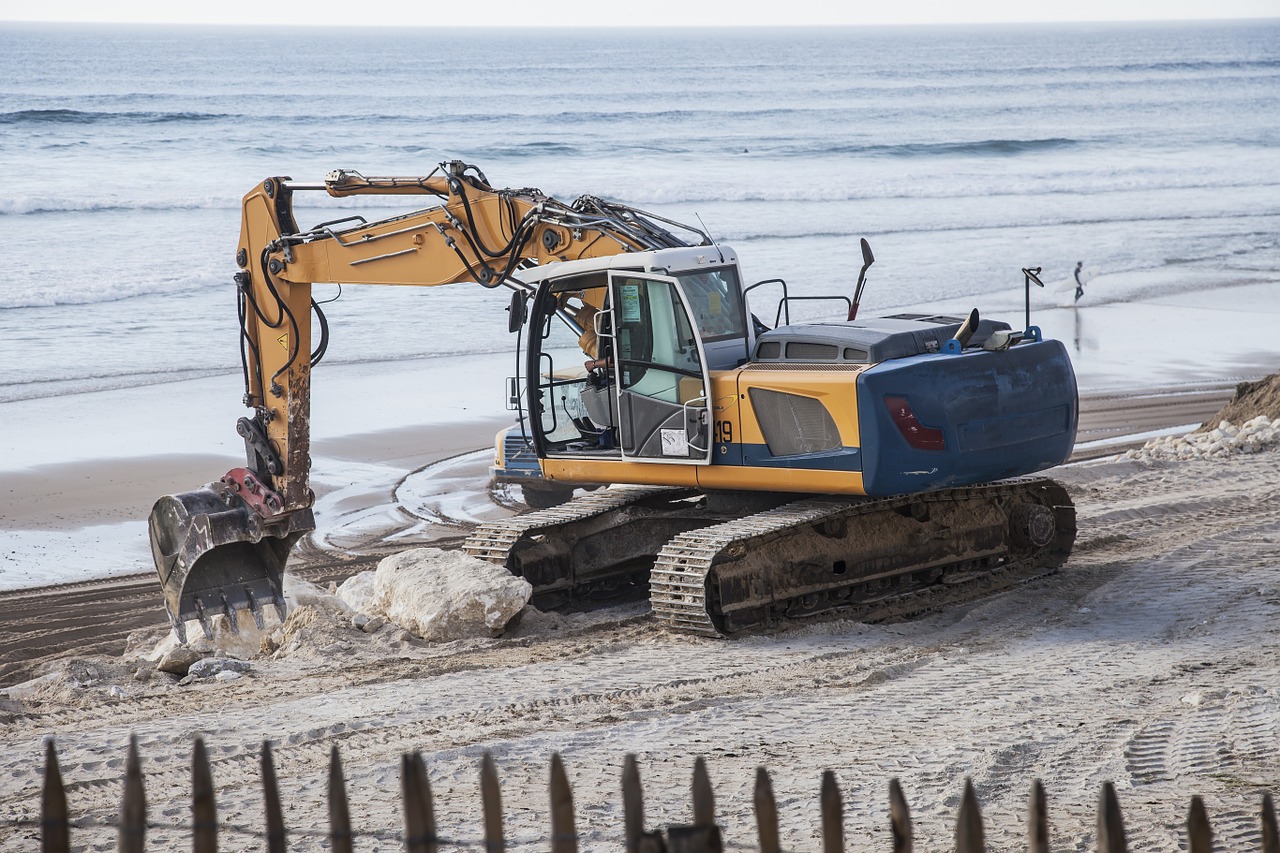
x=222, y=548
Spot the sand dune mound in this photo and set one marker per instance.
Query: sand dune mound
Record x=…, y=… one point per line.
x=1250, y=423
x=1251, y=400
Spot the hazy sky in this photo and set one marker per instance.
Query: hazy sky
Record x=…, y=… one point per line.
x=617, y=12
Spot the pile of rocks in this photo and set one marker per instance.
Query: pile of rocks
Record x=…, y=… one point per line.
x=1253, y=436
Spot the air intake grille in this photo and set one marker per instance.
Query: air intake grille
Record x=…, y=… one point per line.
x=800, y=350
x=793, y=424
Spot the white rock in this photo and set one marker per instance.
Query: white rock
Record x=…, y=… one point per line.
x=448, y=595
x=1254, y=436
x=298, y=592
x=359, y=592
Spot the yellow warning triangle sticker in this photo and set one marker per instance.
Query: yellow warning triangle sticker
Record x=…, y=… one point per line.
x=283, y=340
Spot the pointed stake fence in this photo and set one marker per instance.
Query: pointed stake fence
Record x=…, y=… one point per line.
x=133, y=806
x=702, y=836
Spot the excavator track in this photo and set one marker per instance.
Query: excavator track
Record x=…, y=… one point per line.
x=718, y=574
x=595, y=544
x=870, y=560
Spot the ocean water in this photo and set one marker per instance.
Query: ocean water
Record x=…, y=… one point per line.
x=962, y=153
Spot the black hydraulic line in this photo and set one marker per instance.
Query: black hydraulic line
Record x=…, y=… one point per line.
x=293, y=322
x=245, y=340
x=248, y=291
x=473, y=239
x=510, y=224
x=526, y=232
x=247, y=297
x=477, y=244
x=453, y=244
x=335, y=297
x=323, y=346
x=475, y=249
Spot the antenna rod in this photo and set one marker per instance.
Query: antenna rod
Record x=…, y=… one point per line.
x=1030, y=274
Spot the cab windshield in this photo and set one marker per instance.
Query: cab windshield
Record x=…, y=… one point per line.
x=716, y=300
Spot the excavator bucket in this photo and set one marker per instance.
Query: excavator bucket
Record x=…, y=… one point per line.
x=220, y=549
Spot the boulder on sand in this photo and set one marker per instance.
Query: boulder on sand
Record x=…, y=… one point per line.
x=447, y=595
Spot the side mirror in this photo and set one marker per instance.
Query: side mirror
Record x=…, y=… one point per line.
x=516, y=313
x=867, y=260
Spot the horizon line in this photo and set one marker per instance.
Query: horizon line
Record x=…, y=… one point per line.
x=651, y=27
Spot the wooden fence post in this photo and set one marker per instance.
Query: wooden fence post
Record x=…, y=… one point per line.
x=1110, y=822
x=1199, y=833
x=204, y=808
x=703, y=836
x=419, y=811
x=1038, y=820
x=276, y=838
x=632, y=804
x=832, y=815
x=704, y=799
x=55, y=834
x=133, y=805
x=637, y=839
x=1270, y=833
x=969, y=834
x=564, y=837
x=766, y=813
x=899, y=819
x=340, y=839
x=491, y=799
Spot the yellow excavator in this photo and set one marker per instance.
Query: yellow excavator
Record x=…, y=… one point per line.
x=864, y=467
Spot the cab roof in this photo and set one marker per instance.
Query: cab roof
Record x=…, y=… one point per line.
x=662, y=261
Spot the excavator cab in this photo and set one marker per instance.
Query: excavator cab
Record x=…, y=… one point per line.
x=647, y=350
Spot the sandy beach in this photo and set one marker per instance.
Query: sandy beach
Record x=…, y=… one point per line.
x=1149, y=661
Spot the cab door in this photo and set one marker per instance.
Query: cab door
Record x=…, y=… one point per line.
x=660, y=371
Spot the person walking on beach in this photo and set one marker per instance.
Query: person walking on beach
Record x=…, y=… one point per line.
x=1079, y=283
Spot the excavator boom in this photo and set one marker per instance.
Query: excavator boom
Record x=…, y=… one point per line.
x=222, y=548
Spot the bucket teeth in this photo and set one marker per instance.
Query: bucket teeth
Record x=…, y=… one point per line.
x=206, y=621
x=229, y=611
x=255, y=608
x=208, y=603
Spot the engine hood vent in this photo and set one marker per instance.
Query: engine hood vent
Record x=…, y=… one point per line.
x=868, y=341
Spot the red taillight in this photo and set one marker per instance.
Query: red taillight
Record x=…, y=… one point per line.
x=917, y=435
